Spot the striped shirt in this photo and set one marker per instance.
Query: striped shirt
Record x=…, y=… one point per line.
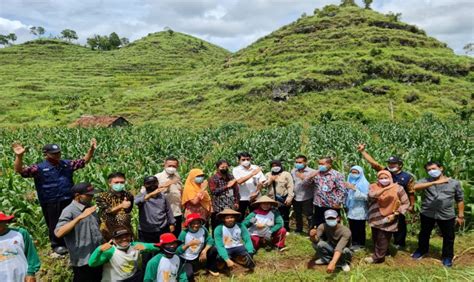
x=376, y=219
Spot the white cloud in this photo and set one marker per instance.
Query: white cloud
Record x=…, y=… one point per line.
x=232, y=24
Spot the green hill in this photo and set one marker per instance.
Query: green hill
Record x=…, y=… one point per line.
x=340, y=63
x=50, y=81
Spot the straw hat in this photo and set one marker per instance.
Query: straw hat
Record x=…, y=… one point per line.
x=265, y=199
x=228, y=211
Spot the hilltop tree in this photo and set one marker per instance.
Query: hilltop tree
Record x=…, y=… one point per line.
x=468, y=48
x=69, y=35
x=3, y=39
x=114, y=41
x=106, y=43
x=367, y=3
x=169, y=30
x=7, y=39
x=348, y=3
x=124, y=41
x=37, y=30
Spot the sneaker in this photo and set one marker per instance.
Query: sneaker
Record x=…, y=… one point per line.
x=369, y=260
x=60, y=250
x=417, y=255
x=346, y=267
x=447, y=262
x=282, y=249
x=215, y=274
x=320, y=262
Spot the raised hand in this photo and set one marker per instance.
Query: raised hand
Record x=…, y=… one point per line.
x=126, y=203
x=93, y=143
x=139, y=247
x=88, y=211
x=361, y=147
x=104, y=247
x=18, y=149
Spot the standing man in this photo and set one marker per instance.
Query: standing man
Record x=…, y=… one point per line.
x=329, y=190
x=172, y=188
x=439, y=195
x=79, y=225
x=303, y=200
x=115, y=206
x=250, y=179
x=402, y=178
x=53, y=181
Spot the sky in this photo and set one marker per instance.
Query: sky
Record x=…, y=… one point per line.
x=232, y=24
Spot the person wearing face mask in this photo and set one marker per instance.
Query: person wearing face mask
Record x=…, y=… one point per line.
x=402, y=178
x=166, y=266
x=250, y=179
x=303, y=200
x=19, y=260
x=265, y=225
x=224, y=190
x=280, y=187
x=79, y=226
x=115, y=206
x=120, y=257
x=331, y=241
x=387, y=200
x=53, y=181
x=196, y=199
x=172, y=187
x=329, y=190
x=357, y=205
x=197, y=248
x=440, y=194
x=155, y=216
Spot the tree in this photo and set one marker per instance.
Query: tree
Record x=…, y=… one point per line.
x=348, y=3
x=114, y=41
x=69, y=35
x=169, y=30
x=468, y=48
x=37, y=30
x=367, y=3
x=3, y=39
x=124, y=41
x=394, y=17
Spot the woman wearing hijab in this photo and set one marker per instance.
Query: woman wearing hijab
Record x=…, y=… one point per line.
x=387, y=201
x=357, y=206
x=195, y=198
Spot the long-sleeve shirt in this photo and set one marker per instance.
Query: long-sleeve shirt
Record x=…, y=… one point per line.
x=174, y=192
x=249, y=186
x=232, y=237
x=339, y=237
x=163, y=269
x=222, y=196
x=193, y=252
x=18, y=256
x=273, y=222
x=155, y=214
x=118, y=265
x=106, y=201
x=329, y=189
x=377, y=220
x=284, y=185
x=360, y=208
x=301, y=192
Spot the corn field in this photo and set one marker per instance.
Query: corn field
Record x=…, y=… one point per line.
x=139, y=151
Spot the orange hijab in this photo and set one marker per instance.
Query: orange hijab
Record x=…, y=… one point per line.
x=191, y=190
x=388, y=201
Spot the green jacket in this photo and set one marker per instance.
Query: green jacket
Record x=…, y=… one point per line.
x=152, y=269
x=99, y=257
x=221, y=250
x=278, y=220
x=182, y=237
x=32, y=258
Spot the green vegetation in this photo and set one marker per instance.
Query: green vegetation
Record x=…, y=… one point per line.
x=346, y=62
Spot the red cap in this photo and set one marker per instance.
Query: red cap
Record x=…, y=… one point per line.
x=166, y=238
x=4, y=217
x=192, y=217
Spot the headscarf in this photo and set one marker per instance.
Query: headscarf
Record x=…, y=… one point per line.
x=388, y=201
x=191, y=189
x=360, y=183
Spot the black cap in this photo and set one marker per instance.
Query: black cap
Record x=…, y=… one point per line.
x=150, y=179
x=394, y=160
x=120, y=232
x=83, y=188
x=51, y=149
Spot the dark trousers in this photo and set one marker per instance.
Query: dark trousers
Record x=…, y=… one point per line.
x=52, y=212
x=192, y=266
x=215, y=221
x=447, y=231
x=381, y=241
x=87, y=274
x=358, y=232
x=177, y=225
x=243, y=206
x=150, y=237
x=325, y=251
x=399, y=237
x=303, y=208
x=285, y=214
x=243, y=256
x=318, y=215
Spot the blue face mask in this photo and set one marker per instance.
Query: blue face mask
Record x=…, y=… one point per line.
x=199, y=179
x=331, y=222
x=299, y=166
x=354, y=176
x=435, y=173
x=323, y=168
x=118, y=187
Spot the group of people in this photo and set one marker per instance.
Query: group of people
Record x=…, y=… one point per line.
x=214, y=222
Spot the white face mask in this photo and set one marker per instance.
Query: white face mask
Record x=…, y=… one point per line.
x=245, y=163
x=276, y=169
x=393, y=169
x=384, y=182
x=170, y=170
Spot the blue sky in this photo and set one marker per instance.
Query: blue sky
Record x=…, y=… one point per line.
x=232, y=24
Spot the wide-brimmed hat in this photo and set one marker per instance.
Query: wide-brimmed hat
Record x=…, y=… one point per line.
x=167, y=238
x=192, y=217
x=265, y=199
x=228, y=211
x=4, y=217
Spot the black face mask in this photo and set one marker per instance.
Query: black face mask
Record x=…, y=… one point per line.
x=224, y=171
x=169, y=251
x=151, y=188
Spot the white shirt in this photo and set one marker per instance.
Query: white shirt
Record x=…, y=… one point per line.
x=232, y=237
x=249, y=186
x=173, y=194
x=168, y=269
x=192, y=252
x=266, y=219
x=122, y=265
x=13, y=262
